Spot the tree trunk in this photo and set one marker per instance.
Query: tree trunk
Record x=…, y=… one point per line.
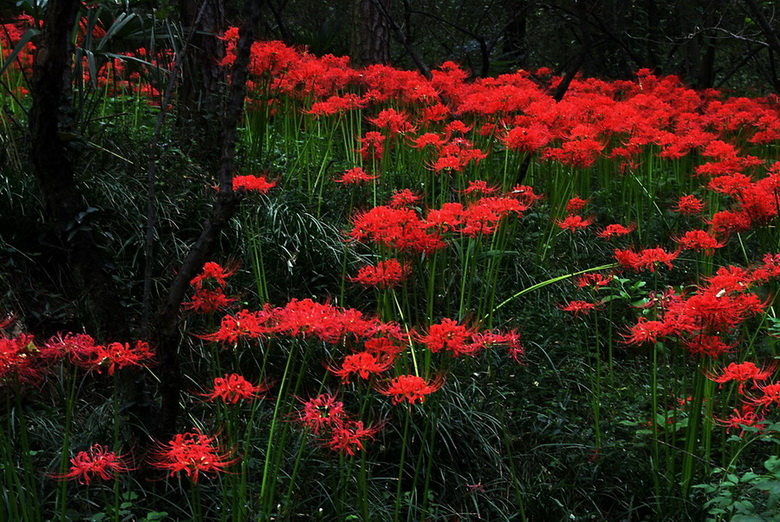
x=167, y=336
x=370, y=40
x=54, y=146
x=514, y=45
x=202, y=82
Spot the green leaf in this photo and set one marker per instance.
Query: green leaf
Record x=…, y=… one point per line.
x=28, y=35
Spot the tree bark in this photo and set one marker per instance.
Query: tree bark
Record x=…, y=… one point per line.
x=370, y=39
x=202, y=81
x=54, y=146
x=166, y=334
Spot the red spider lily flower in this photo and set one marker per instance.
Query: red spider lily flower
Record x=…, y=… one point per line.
x=243, y=325
x=516, y=353
x=699, y=240
x=593, y=280
x=19, y=359
x=212, y=271
x=383, y=347
x=616, y=230
x=648, y=258
x=456, y=155
x=355, y=176
x=116, y=356
x=456, y=126
x=337, y=104
x=581, y=152
x=771, y=395
x=726, y=222
x=395, y=122
x=527, y=139
x=399, y=228
x=732, y=184
x=575, y=204
x=324, y=321
x=510, y=339
x=434, y=113
x=403, y=198
x=386, y=274
x=742, y=373
x=770, y=268
x=372, y=145
x=578, y=308
x=205, y=301
x=741, y=418
x=410, y=388
x=322, y=412
x=349, y=437
x=251, y=183
x=646, y=331
x=716, y=310
x=363, y=364
x=573, y=222
x=709, y=345
x=96, y=463
x=628, y=259
x=233, y=388
x=80, y=349
x=729, y=278
x=689, y=205
x=447, y=218
x=651, y=257
x=525, y=195
x=193, y=453
x=479, y=186
x=483, y=216
x=429, y=139
x=451, y=336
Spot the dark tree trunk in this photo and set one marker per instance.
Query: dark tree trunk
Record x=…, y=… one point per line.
x=514, y=45
x=166, y=335
x=370, y=39
x=53, y=151
x=202, y=81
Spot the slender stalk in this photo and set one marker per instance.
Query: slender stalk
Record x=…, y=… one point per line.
x=402, y=461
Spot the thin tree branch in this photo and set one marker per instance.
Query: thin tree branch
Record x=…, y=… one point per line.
x=151, y=175
x=166, y=332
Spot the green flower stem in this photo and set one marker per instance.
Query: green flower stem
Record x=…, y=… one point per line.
x=402, y=461
x=70, y=398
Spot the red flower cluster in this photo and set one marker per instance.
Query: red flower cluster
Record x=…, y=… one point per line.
x=363, y=364
x=578, y=307
x=259, y=184
x=648, y=258
x=304, y=318
x=742, y=373
x=20, y=359
x=96, y=463
x=83, y=351
x=233, y=388
x=398, y=228
x=457, y=339
x=386, y=274
x=355, y=176
x=325, y=416
x=700, y=320
x=573, y=222
x=193, y=453
x=410, y=388
x=616, y=230
x=209, y=288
